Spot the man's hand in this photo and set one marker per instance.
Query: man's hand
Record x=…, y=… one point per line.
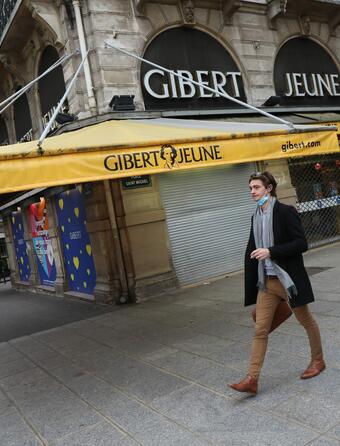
x=260, y=254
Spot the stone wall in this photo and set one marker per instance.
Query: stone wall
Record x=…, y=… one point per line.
x=145, y=222
x=248, y=38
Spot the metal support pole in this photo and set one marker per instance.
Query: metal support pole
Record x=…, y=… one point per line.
x=56, y=111
x=9, y=101
x=213, y=90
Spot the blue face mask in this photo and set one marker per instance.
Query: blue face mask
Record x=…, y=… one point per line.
x=262, y=200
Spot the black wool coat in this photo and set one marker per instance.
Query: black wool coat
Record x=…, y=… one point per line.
x=289, y=244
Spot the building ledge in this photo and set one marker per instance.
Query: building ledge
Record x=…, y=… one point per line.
x=305, y=11
x=192, y=114
x=187, y=8
x=81, y=296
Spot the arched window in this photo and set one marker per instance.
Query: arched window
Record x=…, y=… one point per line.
x=22, y=119
x=52, y=86
x=305, y=74
x=3, y=132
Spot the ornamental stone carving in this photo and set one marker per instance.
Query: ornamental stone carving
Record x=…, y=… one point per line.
x=139, y=7
x=283, y=6
x=275, y=10
x=304, y=22
x=46, y=13
x=188, y=11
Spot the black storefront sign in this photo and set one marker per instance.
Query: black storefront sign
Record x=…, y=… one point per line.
x=136, y=181
x=197, y=56
x=305, y=74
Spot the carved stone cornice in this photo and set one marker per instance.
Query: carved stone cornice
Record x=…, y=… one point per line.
x=229, y=7
x=305, y=11
x=187, y=8
x=334, y=22
x=276, y=9
x=139, y=7
x=46, y=14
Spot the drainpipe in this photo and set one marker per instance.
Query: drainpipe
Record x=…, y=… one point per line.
x=83, y=51
x=127, y=290
x=124, y=238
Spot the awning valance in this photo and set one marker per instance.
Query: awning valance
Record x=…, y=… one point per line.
x=121, y=148
x=333, y=123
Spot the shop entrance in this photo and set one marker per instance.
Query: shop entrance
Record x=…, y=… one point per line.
x=208, y=215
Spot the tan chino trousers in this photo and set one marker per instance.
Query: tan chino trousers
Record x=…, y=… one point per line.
x=267, y=302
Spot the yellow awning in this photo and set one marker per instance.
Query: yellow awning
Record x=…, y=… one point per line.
x=333, y=123
x=117, y=149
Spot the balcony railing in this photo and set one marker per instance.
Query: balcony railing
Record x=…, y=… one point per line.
x=6, y=9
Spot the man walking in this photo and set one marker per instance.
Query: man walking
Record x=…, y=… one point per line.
x=274, y=272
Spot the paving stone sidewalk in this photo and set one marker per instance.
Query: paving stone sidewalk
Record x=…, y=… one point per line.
x=156, y=374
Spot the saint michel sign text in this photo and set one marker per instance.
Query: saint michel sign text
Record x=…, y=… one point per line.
x=304, y=84
x=171, y=86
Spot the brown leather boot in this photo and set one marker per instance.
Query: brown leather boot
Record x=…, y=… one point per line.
x=249, y=385
x=315, y=367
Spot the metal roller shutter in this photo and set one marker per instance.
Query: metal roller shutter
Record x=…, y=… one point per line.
x=208, y=215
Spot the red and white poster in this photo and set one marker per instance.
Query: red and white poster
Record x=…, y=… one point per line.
x=42, y=244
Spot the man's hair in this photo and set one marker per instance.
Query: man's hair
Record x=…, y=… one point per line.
x=267, y=180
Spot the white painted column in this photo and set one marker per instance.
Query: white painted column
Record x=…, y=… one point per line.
x=83, y=51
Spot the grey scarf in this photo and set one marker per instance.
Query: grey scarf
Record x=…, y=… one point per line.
x=281, y=274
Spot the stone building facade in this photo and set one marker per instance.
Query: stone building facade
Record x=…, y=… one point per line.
x=129, y=229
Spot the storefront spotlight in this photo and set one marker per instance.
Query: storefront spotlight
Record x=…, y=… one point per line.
x=272, y=101
x=63, y=118
x=122, y=103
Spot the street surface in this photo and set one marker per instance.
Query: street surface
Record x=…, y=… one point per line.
x=156, y=373
x=22, y=313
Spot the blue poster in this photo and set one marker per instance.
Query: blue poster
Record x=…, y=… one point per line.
x=20, y=246
x=76, y=243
